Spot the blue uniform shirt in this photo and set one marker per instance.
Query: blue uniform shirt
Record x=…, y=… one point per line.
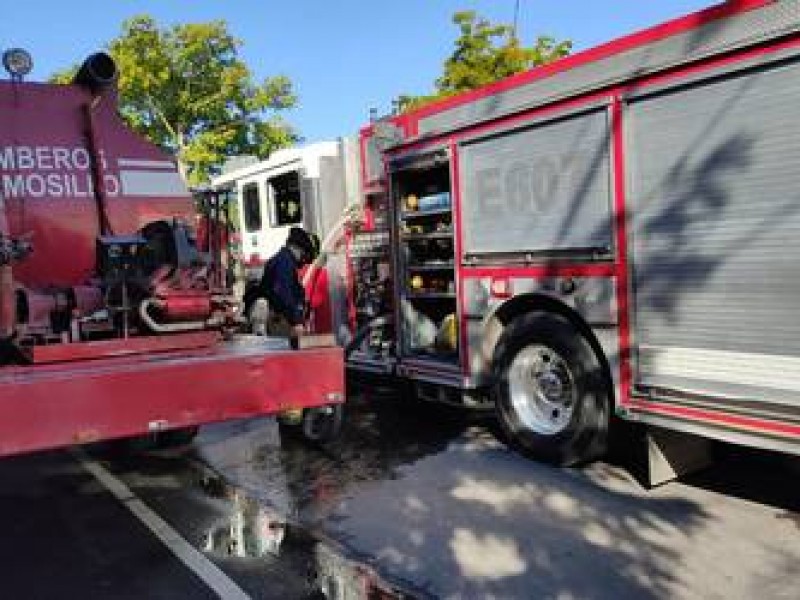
x=281, y=286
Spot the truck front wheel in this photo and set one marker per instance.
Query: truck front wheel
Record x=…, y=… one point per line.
x=550, y=394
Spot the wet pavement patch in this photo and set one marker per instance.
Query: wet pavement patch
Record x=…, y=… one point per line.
x=283, y=494
x=251, y=518
x=423, y=501
x=254, y=531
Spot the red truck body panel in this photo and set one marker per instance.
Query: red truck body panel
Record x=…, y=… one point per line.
x=46, y=179
x=56, y=405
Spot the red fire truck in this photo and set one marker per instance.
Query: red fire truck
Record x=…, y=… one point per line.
x=614, y=233
x=112, y=322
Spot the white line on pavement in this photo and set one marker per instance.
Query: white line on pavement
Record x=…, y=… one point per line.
x=206, y=570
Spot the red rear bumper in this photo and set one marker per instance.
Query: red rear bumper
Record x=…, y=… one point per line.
x=62, y=404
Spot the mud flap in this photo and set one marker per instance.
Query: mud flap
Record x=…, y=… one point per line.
x=666, y=455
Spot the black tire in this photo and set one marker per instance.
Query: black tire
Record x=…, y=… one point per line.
x=318, y=426
x=551, y=395
x=323, y=425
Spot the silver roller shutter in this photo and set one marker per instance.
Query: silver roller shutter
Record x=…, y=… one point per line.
x=714, y=201
x=544, y=188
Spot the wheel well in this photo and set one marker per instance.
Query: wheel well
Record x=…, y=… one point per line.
x=526, y=303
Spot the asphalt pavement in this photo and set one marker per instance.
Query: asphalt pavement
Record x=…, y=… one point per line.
x=65, y=535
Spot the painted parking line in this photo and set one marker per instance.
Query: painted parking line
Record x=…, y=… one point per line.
x=206, y=570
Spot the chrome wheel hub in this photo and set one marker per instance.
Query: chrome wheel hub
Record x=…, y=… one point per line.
x=542, y=390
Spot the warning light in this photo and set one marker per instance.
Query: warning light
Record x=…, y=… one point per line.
x=17, y=62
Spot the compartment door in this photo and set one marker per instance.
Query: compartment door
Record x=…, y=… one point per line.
x=714, y=223
x=544, y=189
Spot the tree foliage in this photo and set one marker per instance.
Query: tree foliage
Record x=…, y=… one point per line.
x=187, y=90
x=485, y=53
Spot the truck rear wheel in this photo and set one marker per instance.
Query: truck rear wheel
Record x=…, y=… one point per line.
x=317, y=426
x=550, y=394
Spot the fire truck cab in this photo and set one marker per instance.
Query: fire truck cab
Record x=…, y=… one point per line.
x=304, y=186
x=309, y=187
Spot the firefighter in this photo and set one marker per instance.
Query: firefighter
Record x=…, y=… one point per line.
x=281, y=287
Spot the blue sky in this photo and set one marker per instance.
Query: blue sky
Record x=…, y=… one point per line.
x=344, y=56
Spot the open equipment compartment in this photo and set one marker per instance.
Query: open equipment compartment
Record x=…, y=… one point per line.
x=426, y=282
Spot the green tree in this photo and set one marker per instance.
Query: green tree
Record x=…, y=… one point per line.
x=187, y=90
x=485, y=53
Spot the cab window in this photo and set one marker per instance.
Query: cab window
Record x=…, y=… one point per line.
x=284, y=192
x=252, y=207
